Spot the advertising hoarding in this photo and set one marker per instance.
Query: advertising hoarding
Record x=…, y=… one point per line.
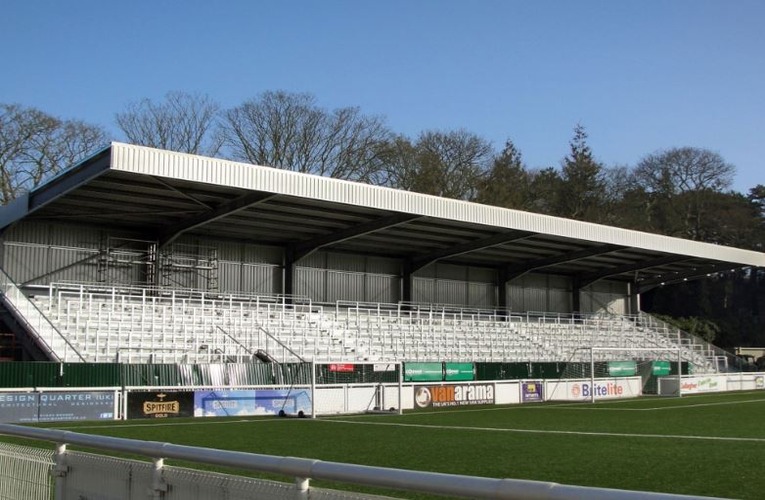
x=423, y=372
x=531, y=391
x=661, y=368
x=226, y=403
x=160, y=404
x=458, y=371
x=438, y=396
x=19, y=406
x=57, y=406
x=622, y=368
x=62, y=406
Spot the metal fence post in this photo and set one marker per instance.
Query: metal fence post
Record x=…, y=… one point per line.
x=302, y=485
x=158, y=484
x=60, y=470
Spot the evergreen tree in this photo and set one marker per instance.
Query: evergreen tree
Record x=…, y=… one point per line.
x=507, y=184
x=583, y=186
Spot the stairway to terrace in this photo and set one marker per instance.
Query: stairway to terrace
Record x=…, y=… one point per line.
x=110, y=324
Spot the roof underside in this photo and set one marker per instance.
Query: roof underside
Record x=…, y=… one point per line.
x=163, y=195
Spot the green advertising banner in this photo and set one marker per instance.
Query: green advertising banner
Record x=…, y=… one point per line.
x=420, y=372
x=622, y=368
x=459, y=371
x=661, y=368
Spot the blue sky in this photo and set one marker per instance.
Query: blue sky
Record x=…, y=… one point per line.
x=639, y=75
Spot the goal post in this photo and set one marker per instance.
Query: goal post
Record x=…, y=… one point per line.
x=357, y=387
x=593, y=373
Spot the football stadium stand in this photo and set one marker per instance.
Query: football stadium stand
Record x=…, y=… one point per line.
x=139, y=255
x=153, y=284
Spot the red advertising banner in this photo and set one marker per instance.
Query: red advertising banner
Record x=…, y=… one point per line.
x=342, y=367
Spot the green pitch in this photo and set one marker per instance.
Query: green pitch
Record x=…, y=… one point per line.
x=699, y=445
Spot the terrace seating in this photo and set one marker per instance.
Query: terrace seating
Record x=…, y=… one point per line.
x=107, y=324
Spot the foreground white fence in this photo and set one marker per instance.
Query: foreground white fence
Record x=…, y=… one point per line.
x=81, y=475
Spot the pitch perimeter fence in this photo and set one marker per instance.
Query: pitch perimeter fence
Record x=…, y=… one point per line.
x=34, y=474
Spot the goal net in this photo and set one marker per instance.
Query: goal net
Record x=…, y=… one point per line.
x=596, y=373
x=357, y=387
x=350, y=387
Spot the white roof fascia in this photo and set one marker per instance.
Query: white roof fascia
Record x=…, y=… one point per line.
x=168, y=164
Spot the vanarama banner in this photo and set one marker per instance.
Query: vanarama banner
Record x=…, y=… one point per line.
x=438, y=396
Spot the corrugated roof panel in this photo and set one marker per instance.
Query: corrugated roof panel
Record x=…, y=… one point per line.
x=149, y=161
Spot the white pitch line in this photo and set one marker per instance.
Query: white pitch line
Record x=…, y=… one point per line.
x=545, y=431
x=683, y=406
x=169, y=423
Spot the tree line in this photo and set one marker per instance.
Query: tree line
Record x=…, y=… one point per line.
x=680, y=191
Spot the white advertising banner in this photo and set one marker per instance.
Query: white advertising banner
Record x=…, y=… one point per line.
x=704, y=383
x=584, y=390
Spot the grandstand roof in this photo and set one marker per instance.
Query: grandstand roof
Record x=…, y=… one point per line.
x=163, y=194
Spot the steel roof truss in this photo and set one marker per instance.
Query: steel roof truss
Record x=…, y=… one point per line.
x=518, y=270
x=305, y=248
x=421, y=261
x=170, y=233
x=691, y=274
x=590, y=278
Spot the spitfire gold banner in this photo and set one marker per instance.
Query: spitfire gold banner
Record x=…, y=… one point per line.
x=160, y=404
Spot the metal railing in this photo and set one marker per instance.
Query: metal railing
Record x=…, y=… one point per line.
x=50, y=340
x=302, y=471
x=346, y=329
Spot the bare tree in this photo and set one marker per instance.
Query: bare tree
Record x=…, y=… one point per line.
x=399, y=159
x=35, y=146
x=680, y=184
x=183, y=122
x=290, y=131
x=682, y=170
x=448, y=164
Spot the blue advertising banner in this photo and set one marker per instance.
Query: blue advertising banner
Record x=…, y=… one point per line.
x=76, y=405
x=58, y=406
x=531, y=391
x=227, y=403
x=19, y=406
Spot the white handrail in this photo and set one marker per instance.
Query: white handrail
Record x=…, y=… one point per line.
x=303, y=469
x=13, y=298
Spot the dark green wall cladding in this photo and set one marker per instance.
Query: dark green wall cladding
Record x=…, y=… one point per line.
x=518, y=371
x=35, y=374
x=30, y=374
